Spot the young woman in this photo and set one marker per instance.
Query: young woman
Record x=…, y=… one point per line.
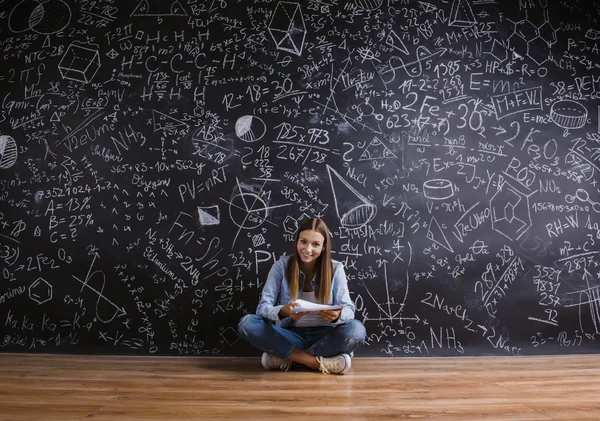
x=322, y=340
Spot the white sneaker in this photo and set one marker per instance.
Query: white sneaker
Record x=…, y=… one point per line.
x=273, y=362
x=340, y=364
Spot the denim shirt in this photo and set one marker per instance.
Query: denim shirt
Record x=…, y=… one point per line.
x=276, y=293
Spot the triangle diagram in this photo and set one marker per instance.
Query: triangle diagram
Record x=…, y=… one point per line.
x=209, y=216
x=461, y=14
x=353, y=209
x=159, y=8
x=376, y=150
x=427, y=7
x=394, y=40
x=436, y=234
x=164, y=122
x=286, y=43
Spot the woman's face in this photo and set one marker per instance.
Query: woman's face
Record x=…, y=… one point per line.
x=309, y=246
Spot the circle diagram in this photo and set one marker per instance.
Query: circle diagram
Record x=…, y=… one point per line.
x=46, y=17
x=248, y=210
x=8, y=152
x=250, y=128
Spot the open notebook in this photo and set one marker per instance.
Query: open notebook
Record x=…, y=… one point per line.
x=305, y=306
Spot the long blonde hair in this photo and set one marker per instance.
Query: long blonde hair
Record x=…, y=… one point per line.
x=324, y=265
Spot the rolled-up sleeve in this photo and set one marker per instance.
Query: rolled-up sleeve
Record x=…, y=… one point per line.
x=341, y=295
x=267, y=307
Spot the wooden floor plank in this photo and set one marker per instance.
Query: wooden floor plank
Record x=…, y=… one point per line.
x=76, y=387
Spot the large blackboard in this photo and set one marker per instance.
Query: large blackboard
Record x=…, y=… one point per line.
x=156, y=157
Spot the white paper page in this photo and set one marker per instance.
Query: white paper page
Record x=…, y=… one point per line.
x=308, y=306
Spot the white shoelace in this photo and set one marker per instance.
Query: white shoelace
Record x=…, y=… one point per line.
x=282, y=364
x=324, y=369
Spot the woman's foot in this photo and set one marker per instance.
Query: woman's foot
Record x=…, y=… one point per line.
x=273, y=362
x=340, y=364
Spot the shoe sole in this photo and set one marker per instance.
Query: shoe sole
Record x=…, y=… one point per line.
x=264, y=361
x=348, y=362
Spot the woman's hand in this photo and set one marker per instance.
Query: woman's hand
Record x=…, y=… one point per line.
x=329, y=315
x=288, y=311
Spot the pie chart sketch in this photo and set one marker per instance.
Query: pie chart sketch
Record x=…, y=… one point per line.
x=45, y=17
x=8, y=152
x=250, y=128
x=247, y=210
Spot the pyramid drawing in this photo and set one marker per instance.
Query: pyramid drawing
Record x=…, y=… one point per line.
x=210, y=215
x=161, y=8
x=436, y=234
x=164, y=122
x=376, y=150
x=394, y=40
x=461, y=14
x=427, y=7
x=287, y=27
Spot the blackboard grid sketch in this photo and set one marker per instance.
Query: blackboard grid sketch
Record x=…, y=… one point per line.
x=44, y=17
x=159, y=8
x=8, y=152
x=353, y=209
x=287, y=27
x=79, y=63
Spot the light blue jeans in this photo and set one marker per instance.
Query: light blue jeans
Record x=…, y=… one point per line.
x=324, y=341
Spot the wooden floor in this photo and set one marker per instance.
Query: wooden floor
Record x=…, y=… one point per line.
x=61, y=387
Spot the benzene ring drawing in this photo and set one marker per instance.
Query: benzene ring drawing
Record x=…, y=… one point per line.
x=46, y=17
x=40, y=291
x=287, y=27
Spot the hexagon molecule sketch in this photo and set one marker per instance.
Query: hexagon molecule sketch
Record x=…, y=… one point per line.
x=40, y=291
x=528, y=39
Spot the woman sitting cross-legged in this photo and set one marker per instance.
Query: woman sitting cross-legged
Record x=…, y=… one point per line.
x=322, y=340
